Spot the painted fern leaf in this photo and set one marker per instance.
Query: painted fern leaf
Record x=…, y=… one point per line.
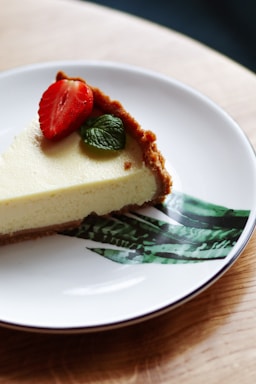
x=198, y=231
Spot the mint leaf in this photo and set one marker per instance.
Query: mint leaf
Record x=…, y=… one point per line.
x=104, y=132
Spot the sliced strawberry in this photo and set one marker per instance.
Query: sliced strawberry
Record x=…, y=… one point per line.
x=64, y=106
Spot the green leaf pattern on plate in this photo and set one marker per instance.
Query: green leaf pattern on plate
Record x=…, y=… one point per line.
x=183, y=229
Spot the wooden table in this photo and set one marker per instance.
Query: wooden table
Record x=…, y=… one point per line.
x=211, y=338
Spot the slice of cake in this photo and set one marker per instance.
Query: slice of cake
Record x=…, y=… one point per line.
x=72, y=162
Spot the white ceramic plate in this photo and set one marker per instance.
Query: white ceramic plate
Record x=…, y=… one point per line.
x=59, y=284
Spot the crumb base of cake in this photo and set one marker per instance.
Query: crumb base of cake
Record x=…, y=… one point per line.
x=36, y=233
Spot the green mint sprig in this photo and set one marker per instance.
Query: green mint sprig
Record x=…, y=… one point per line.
x=104, y=132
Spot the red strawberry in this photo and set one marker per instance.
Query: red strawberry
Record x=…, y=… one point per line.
x=64, y=106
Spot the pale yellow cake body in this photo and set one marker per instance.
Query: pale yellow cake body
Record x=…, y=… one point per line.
x=44, y=183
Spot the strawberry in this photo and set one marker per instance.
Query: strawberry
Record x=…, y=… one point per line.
x=64, y=106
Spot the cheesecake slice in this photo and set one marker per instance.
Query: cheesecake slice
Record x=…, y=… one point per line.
x=48, y=186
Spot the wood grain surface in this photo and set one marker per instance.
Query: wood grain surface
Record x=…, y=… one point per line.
x=210, y=338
